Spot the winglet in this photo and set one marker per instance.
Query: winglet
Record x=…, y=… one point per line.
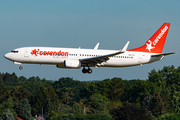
x=125, y=47
x=96, y=47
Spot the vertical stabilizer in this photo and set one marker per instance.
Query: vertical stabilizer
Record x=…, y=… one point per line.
x=156, y=43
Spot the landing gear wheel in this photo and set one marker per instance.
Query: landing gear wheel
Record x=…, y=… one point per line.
x=89, y=71
x=84, y=70
x=20, y=67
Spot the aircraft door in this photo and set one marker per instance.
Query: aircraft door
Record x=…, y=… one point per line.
x=26, y=52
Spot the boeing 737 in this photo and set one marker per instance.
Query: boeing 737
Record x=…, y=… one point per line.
x=74, y=58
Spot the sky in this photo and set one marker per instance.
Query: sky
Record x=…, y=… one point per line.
x=84, y=23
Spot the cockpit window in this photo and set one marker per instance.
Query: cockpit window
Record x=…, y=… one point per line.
x=14, y=51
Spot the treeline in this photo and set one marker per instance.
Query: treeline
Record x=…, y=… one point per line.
x=158, y=97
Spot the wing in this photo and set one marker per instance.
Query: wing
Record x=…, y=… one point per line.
x=103, y=58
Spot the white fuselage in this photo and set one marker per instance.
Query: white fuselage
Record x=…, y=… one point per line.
x=57, y=56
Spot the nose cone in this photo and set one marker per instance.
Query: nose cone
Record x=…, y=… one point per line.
x=7, y=56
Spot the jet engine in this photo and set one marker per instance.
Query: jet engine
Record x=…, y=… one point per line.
x=70, y=64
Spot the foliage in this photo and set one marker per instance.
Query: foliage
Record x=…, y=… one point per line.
x=159, y=107
x=4, y=94
x=130, y=112
x=39, y=101
x=114, y=104
x=77, y=109
x=175, y=101
x=53, y=98
x=24, y=109
x=96, y=105
x=66, y=95
x=19, y=93
x=51, y=114
x=34, y=83
x=7, y=104
x=8, y=115
x=135, y=90
x=112, y=89
x=9, y=79
x=116, y=89
x=77, y=86
x=172, y=116
x=48, y=107
x=147, y=102
x=82, y=117
x=159, y=94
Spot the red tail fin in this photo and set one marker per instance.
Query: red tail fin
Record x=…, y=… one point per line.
x=156, y=43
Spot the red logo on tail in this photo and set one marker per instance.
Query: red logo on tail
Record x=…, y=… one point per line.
x=149, y=46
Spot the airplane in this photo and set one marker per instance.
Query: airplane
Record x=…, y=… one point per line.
x=74, y=58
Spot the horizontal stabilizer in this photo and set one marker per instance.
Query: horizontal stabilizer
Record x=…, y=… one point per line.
x=164, y=54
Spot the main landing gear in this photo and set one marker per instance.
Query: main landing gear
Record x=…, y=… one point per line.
x=84, y=70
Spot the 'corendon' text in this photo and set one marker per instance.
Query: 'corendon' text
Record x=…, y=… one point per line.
x=37, y=52
x=160, y=35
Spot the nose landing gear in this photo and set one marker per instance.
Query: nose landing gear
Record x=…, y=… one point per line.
x=19, y=64
x=20, y=67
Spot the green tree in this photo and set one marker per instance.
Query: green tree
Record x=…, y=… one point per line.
x=96, y=105
x=78, y=88
x=39, y=101
x=8, y=115
x=24, y=109
x=159, y=107
x=112, y=89
x=98, y=87
x=176, y=101
x=66, y=95
x=130, y=112
x=21, y=80
x=167, y=80
x=136, y=89
x=48, y=107
x=52, y=97
x=116, y=89
x=10, y=79
x=4, y=94
x=7, y=104
x=19, y=93
x=147, y=102
x=77, y=109
x=81, y=117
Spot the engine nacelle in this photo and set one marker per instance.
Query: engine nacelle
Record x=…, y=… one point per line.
x=72, y=64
